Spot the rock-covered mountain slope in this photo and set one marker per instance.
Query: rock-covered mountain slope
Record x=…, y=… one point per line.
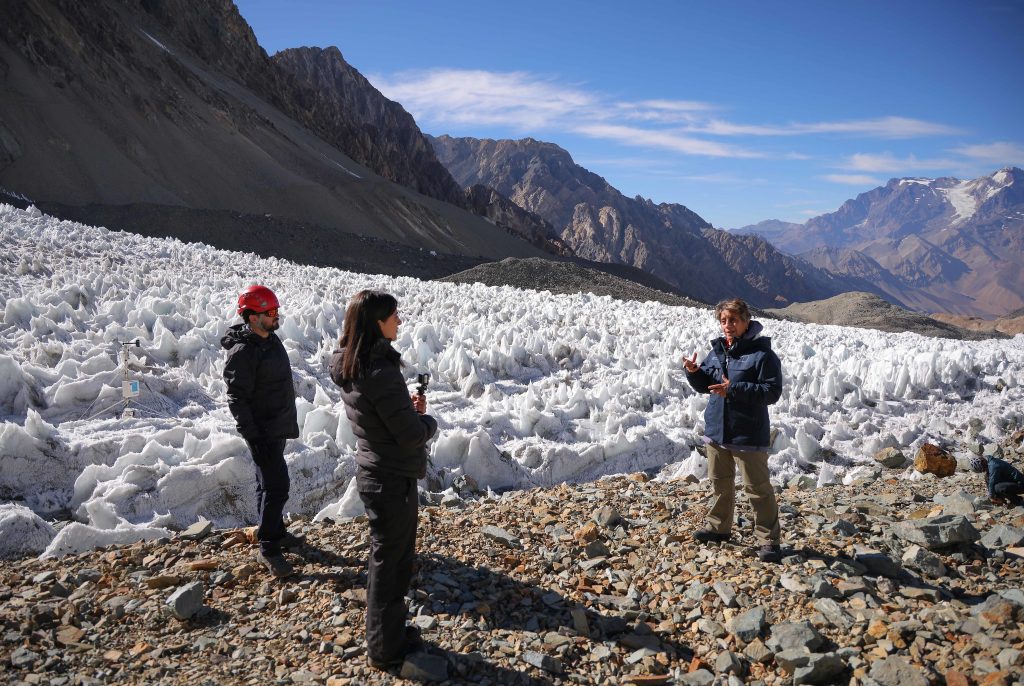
x=868, y=311
x=174, y=103
x=599, y=223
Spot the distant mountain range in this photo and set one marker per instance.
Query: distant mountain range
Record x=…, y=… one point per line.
x=937, y=245
x=599, y=223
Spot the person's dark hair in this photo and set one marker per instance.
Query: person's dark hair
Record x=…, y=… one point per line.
x=361, y=329
x=246, y=314
x=737, y=305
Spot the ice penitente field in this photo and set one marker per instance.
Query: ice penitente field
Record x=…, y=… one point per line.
x=529, y=388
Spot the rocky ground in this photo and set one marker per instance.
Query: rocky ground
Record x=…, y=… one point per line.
x=885, y=581
x=1012, y=324
x=618, y=281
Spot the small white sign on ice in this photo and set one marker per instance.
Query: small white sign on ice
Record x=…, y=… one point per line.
x=130, y=389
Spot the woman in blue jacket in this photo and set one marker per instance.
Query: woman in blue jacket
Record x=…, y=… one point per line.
x=743, y=377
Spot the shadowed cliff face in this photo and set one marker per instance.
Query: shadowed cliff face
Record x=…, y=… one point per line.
x=342, y=106
x=599, y=223
x=171, y=102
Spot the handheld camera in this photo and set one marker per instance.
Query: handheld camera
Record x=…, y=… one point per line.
x=422, y=380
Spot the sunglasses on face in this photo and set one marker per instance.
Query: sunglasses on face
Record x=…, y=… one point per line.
x=271, y=313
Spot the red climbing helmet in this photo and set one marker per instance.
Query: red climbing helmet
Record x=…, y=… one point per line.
x=258, y=299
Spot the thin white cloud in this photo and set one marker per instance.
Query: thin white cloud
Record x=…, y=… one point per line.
x=677, y=105
x=889, y=163
x=664, y=111
x=723, y=177
x=853, y=179
x=515, y=99
x=883, y=127
x=994, y=154
x=526, y=103
x=665, y=140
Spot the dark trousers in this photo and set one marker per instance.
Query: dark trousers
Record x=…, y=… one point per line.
x=391, y=506
x=271, y=492
x=1009, y=490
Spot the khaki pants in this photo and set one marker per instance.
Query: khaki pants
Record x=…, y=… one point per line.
x=756, y=484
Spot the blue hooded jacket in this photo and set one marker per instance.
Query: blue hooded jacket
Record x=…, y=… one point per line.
x=755, y=382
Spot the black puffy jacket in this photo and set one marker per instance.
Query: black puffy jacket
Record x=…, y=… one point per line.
x=391, y=436
x=261, y=396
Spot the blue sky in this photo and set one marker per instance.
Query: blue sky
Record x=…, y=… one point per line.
x=740, y=110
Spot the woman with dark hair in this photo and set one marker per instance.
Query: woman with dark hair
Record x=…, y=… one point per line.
x=392, y=430
x=743, y=376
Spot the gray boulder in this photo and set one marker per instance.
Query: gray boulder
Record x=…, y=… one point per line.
x=896, y=671
x=503, y=537
x=893, y=458
x=877, y=562
x=820, y=669
x=925, y=561
x=937, y=532
x=1003, y=536
x=701, y=677
x=836, y=615
x=794, y=636
x=750, y=624
x=425, y=667
x=187, y=600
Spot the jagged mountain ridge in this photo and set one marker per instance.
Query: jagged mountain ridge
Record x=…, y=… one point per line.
x=599, y=223
x=173, y=103
x=936, y=244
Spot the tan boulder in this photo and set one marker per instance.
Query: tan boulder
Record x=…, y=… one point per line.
x=931, y=459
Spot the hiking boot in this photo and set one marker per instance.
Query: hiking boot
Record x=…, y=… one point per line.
x=276, y=564
x=390, y=666
x=769, y=552
x=413, y=640
x=708, y=535
x=291, y=541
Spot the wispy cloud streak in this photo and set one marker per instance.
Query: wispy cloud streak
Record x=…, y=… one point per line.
x=888, y=163
x=995, y=154
x=853, y=179
x=528, y=103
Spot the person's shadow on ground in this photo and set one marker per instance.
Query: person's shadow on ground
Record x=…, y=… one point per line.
x=481, y=598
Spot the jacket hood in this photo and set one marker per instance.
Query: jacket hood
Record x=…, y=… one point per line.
x=381, y=349
x=239, y=333
x=752, y=339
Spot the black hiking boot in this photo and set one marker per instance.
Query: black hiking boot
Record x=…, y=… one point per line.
x=276, y=564
x=708, y=535
x=769, y=552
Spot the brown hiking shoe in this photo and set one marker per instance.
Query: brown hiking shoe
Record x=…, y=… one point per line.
x=276, y=564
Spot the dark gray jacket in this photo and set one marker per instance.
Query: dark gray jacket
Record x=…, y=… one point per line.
x=755, y=382
x=391, y=436
x=261, y=396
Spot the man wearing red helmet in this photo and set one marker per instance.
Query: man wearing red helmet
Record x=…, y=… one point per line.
x=261, y=398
